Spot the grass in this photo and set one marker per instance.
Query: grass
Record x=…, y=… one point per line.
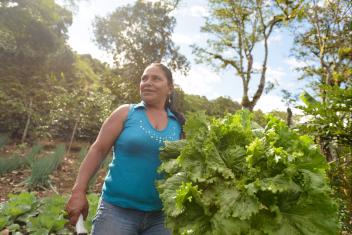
x=31, y=157
x=43, y=167
x=4, y=139
x=8, y=164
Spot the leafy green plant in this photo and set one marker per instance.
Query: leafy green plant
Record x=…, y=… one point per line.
x=50, y=218
x=43, y=216
x=93, y=200
x=230, y=178
x=16, y=206
x=43, y=167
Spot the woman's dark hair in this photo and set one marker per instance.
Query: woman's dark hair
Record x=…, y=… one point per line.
x=170, y=100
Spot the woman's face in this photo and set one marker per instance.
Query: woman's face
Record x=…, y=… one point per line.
x=154, y=86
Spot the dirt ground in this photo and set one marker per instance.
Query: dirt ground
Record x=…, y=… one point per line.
x=61, y=180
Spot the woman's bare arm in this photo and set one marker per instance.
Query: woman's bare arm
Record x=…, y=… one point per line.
x=108, y=133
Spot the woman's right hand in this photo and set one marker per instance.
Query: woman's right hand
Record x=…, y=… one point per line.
x=76, y=205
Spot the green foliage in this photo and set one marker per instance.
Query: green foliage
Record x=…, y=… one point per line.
x=142, y=37
x=34, y=32
x=33, y=154
x=330, y=123
x=42, y=167
x=3, y=139
x=228, y=177
x=43, y=216
x=14, y=162
x=50, y=218
x=10, y=163
x=93, y=200
x=217, y=107
x=84, y=105
x=324, y=44
x=236, y=28
x=331, y=120
x=16, y=206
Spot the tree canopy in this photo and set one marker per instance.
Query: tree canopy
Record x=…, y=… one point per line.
x=138, y=35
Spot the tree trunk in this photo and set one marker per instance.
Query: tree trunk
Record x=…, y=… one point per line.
x=73, y=135
x=289, y=117
x=28, y=120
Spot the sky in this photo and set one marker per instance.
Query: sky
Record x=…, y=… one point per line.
x=202, y=79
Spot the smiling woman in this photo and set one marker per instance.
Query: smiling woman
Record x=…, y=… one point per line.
x=130, y=203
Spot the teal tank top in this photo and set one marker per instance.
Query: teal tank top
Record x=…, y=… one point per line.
x=130, y=181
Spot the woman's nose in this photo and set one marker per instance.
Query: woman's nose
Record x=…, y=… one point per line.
x=147, y=82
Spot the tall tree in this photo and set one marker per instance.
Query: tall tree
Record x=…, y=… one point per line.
x=236, y=29
x=324, y=44
x=138, y=35
x=31, y=32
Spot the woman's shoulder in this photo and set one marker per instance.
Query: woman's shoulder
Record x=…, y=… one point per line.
x=121, y=112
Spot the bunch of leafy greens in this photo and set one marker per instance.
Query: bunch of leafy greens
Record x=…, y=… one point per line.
x=227, y=177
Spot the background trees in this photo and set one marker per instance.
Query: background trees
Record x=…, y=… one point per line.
x=138, y=35
x=235, y=29
x=33, y=34
x=324, y=44
x=48, y=90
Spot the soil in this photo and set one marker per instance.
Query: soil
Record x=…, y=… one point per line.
x=61, y=180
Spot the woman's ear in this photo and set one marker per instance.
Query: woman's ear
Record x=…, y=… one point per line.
x=171, y=87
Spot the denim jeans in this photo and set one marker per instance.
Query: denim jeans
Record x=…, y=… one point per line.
x=115, y=220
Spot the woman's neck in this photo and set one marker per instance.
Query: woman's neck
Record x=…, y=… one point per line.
x=155, y=107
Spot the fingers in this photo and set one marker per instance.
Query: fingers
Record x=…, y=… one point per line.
x=76, y=206
x=74, y=219
x=85, y=211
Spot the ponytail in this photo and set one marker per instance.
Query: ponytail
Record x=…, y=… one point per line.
x=170, y=104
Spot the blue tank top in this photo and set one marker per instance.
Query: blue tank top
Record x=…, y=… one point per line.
x=130, y=182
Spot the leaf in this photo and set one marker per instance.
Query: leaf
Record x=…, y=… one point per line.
x=307, y=99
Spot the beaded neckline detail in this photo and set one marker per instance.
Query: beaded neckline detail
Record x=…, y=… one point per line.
x=158, y=136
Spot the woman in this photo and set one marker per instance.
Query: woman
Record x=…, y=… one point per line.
x=130, y=203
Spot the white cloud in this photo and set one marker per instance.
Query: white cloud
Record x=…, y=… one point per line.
x=274, y=75
x=199, y=81
x=199, y=11
x=268, y=103
x=192, y=11
x=185, y=39
x=293, y=63
x=275, y=39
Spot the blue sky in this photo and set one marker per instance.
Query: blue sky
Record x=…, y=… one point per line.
x=202, y=79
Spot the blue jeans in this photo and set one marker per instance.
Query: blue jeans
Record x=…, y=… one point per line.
x=115, y=220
